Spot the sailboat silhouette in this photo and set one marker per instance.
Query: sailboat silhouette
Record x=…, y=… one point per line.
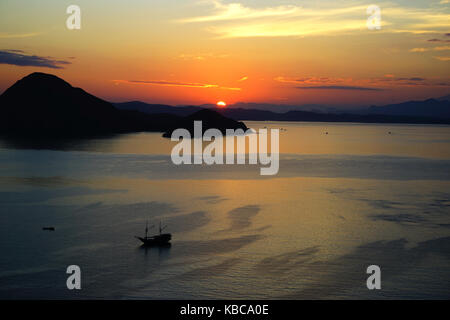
x=155, y=240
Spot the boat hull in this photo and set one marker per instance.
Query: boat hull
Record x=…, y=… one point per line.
x=159, y=240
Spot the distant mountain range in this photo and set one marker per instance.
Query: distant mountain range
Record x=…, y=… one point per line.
x=431, y=108
x=44, y=105
x=185, y=110
x=431, y=111
x=447, y=97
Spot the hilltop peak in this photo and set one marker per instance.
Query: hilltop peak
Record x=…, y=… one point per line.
x=42, y=79
x=43, y=102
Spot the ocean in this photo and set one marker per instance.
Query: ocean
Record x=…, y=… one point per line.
x=346, y=196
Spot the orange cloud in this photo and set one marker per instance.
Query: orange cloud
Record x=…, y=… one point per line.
x=175, y=84
x=443, y=58
x=389, y=80
x=442, y=48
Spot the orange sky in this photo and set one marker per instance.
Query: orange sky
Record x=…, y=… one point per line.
x=195, y=52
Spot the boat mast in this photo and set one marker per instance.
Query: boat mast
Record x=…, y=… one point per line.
x=161, y=228
x=146, y=229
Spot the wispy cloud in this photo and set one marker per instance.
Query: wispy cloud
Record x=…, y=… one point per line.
x=443, y=58
x=175, y=84
x=340, y=88
x=235, y=20
x=20, y=58
x=235, y=11
x=243, y=79
x=370, y=84
x=202, y=56
x=17, y=35
x=392, y=81
x=440, y=40
x=443, y=48
x=311, y=80
x=325, y=83
x=410, y=79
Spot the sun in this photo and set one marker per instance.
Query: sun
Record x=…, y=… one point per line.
x=221, y=104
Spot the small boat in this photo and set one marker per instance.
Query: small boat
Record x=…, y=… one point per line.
x=49, y=228
x=160, y=239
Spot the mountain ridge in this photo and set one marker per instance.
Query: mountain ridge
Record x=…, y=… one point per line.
x=375, y=114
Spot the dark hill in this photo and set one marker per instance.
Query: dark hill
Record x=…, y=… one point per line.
x=43, y=104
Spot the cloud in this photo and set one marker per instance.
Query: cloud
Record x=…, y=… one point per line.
x=20, y=58
x=202, y=56
x=369, y=84
x=311, y=80
x=412, y=79
x=392, y=78
x=166, y=83
x=243, y=79
x=392, y=81
x=419, y=49
x=235, y=20
x=438, y=40
x=443, y=58
x=443, y=48
x=236, y=11
x=17, y=35
x=341, y=88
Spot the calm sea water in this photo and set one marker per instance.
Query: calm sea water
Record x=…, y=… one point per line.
x=342, y=201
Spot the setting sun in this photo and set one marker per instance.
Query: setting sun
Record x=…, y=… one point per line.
x=221, y=104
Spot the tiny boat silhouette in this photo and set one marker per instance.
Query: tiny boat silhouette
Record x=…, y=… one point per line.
x=156, y=240
x=49, y=228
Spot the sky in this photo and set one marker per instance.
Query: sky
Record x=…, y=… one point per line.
x=263, y=51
